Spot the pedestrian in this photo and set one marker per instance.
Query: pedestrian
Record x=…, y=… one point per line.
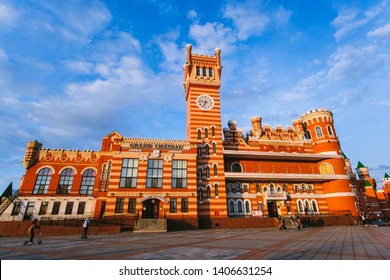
x=31, y=230
x=298, y=221
x=282, y=223
x=85, y=228
x=293, y=225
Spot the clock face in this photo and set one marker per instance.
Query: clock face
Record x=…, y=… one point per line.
x=205, y=102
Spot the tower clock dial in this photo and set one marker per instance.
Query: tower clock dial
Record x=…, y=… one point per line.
x=205, y=102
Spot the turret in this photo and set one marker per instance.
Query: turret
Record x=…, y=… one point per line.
x=256, y=127
x=32, y=154
x=318, y=126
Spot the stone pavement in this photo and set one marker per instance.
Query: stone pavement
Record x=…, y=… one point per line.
x=319, y=243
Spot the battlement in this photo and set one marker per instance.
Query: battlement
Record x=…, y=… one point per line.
x=62, y=155
x=324, y=110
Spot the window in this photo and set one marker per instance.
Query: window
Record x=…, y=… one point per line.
x=213, y=131
x=214, y=148
x=300, y=206
x=215, y=169
x=326, y=168
x=129, y=173
x=314, y=206
x=236, y=167
x=66, y=181
x=296, y=188
x=303, y=188
x=199, y=174
x=87, y=182
x=197, y=71
x=245, y=187
x=173, y=205
x=284, y=187
x=69, y=208
x=307, y=206
x=199, y=134
x=260, y=206
x=257, y=187
x=43, y=208
x=330, y=131
x=318, y=131
x=238, y=187
x=184, y=205
x=29, y=210
x=308, y=135
x=204, y=71
x=208, y=192
x=131, y=206
x=199, y=151
x=179, y=174
x=56, y=208
x=108, y=175
x=210, y=72
x=207, y=150
x=119, y=205
x=200, y=195
x=247, y=207
x=239, y=207
x=43, y=181
x=207, y=172
x=155, y=173
x=216, y=190
x=231, y=207
x=230, y=188
x=102, y=178
x=310, y=189
x=16, y=208
x=81, y=208
x=206, y=133
x=271, y=188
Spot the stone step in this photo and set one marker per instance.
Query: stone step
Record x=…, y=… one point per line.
x=151, y=225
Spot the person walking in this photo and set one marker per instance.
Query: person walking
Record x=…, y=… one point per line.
x=85, y=228
x=31, y=230
x=282, y=223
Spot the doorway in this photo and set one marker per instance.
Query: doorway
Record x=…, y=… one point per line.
x=272, y=209
x=150, y=209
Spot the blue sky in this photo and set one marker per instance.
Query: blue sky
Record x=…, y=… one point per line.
x=73, y=71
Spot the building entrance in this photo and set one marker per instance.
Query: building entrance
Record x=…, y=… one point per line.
x=150, y=209
x=272, y=209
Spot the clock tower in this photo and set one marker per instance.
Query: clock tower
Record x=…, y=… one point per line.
x=202, y=76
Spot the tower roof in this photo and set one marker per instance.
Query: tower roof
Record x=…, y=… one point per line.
x=387, y=176
x=367, y=184
x=345, y=157
x=360, y=165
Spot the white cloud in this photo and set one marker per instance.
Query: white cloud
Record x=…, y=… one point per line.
x=350, y=19
x=8, y=15
x=383, y=31
x=353, y=62
x=282, y=16
x=247, y=18
x=192, y=14
x=213, y=35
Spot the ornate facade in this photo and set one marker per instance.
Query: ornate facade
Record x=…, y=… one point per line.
x=216, y=172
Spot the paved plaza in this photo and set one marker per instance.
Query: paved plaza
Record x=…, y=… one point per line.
x=319, y=243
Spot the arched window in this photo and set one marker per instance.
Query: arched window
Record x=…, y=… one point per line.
x=247, y=207
x=265, y=189
x=300, y=206
x=199, y=151
x=231, y=207
x=310, y=189
x=199, y=134
x=102, y=178
x=43, y=181
x=236, y=167
x=214, y=148
x=330, y=131
x=307, y=206
x=245, y=187
x=284, y=187
x=326, y=168
x=108, y=175
x=239, y=207
x=279, y=189
x=307, y=134
x=314, y=206
x=66, y=181
x=215, y=169
x=318, y=131
x=271, y=188
x=87, y=182
x=257, y=187
x=207, y=150
x=238, y=187
x=208, y=192
x=230, y=188
x=216, y=189
x=296, y=188
x=200, y=195
x=207, y=172
x=206, y=133
x=213, y=131
x=199, y=174
x=303, y=188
